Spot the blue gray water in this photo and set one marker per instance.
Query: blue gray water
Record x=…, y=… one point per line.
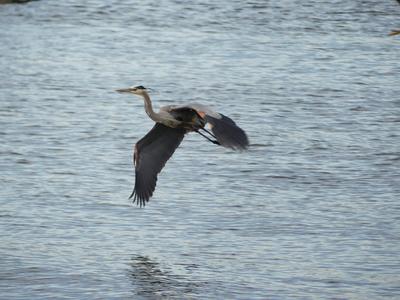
x=310, y=211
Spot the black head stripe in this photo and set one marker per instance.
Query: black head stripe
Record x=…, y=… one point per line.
x=140, y=87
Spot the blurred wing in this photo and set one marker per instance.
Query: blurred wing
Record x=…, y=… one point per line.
x=151, y=154
x=227, y=133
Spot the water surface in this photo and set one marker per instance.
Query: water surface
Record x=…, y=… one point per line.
x=310, y=211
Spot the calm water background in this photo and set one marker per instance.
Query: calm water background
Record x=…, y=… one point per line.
x=310, y=211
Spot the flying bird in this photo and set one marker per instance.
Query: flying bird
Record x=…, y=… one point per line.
x=395, y=31
x=172, y=123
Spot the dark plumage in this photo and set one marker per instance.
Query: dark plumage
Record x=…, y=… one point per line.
x=227, y=133
x=172, y=123
x=160, y=143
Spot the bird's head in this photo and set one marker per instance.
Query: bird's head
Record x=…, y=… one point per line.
x=137, y=90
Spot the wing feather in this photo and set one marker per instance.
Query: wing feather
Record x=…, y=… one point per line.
x=227, y=133
x=150, y=155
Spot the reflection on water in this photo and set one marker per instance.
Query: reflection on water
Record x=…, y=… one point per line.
x=151, y=282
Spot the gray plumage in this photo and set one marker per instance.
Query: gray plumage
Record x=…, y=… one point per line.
x=172, y=123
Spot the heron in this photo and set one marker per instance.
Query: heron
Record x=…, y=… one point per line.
x=172, y=122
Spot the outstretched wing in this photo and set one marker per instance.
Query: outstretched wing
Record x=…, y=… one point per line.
x=150, y=155
x=227, y=133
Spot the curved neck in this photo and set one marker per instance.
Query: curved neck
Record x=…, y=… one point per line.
x=149, y=108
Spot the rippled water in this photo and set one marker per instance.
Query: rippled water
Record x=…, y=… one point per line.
x=310, y=211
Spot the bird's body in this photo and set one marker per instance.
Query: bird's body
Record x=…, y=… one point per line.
x=172, y=123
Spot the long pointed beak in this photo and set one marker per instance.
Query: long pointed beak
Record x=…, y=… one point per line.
x=127, y=90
